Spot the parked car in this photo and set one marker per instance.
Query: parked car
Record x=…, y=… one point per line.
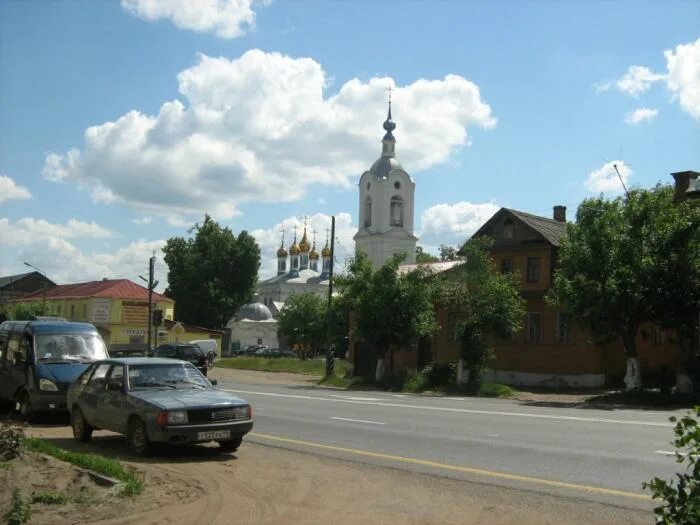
x=129, y=352
x=156, y=400
x=39, y=359
x=209, y=347
x=269, y=353
x=186, y=352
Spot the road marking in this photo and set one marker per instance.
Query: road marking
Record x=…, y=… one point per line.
x=492, y=435
x=341, y=399
x=351, y=398
x=669, y=453
x=457, y=468
x=359, y=421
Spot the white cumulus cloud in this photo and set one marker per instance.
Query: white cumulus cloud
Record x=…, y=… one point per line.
x=684, y=76
x=641, y=115
x=260, y=128
x=10, y=190
x=142, y=220
x=269, y=239
x=453, y=224
x=224, y=18
x=605, y=179
x=28, y=229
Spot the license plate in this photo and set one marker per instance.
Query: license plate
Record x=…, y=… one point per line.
x=214, y=434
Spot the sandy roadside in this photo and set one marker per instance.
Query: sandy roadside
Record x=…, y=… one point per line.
x=264, y=484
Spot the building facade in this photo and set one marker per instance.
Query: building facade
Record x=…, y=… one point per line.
x=117, y=307
x=386, y=194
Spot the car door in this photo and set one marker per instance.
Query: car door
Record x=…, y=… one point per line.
x=15, y=365
x=89, y=399
x=110, y=402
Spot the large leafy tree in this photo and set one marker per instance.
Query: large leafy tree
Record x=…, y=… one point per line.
x=304, y=321
x=392, y=310
x=28, y=311
x=486, y=303
x=212, y=274
x=619, y=267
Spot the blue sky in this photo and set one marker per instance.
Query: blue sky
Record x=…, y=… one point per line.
x=518, y=104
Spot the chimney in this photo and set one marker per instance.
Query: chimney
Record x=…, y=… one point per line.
x=559, y=213
x=682, y=182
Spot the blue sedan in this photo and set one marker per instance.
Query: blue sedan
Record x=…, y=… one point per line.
x=156, y=400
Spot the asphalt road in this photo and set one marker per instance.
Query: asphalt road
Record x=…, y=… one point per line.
x=599, y=455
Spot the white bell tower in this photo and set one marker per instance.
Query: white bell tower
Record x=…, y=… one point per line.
x=386, y=206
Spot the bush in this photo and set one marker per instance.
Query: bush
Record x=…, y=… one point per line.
x=50, y=497
x=11, y=439
x=495, y=390
x=19, y=511
x=438, y=374
x=682, y=498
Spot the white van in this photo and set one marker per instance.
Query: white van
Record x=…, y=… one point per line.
x=209, y=347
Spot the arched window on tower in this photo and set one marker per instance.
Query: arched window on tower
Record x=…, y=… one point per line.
x=396, y=211
x=368, y=212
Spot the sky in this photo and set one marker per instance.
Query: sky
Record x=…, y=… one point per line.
x=122, y=123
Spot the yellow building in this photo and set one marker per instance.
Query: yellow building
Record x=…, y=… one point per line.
x=117, y=307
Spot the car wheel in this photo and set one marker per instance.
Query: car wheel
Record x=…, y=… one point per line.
x=23, y=407
x=82, y=431
x=137, y=436
x=230, y=445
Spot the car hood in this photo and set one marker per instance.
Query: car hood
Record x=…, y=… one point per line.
x=66, y=372
x=169, y=399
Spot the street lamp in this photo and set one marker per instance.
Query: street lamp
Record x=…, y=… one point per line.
x=43, y=288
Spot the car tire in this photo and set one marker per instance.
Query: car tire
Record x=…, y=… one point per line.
x=230, y=445
x=137, y=437
x=82, y=431
x=23, y=407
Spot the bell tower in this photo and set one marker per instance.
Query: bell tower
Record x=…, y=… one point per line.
x=386, y=205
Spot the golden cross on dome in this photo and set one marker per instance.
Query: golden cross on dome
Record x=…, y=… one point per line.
x=389, y=89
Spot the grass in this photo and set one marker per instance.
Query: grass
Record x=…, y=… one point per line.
x=648, y=398
x=496, y=390
x=292, y=365
x=132, y=483
x=50, y=497
x=5, y=465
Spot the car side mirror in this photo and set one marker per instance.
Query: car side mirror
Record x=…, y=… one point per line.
x=214, y=382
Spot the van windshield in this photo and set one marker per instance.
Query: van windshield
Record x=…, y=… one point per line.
x=70, y=347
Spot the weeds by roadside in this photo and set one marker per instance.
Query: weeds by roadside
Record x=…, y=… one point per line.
x=19, y=511
x=51, y=497
x=132, y=483
x=282, y=364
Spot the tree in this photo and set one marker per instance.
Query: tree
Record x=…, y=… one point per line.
x=392, y=310
x=618, y=264
x=675, y=279
x=28, y=311
x=304, y=321
x=682, y=497
x=448, y=253
x=424, y=257
x=212, y=274
x=487, y=304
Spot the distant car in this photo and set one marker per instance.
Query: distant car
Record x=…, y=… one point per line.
x=186, y=352
x=156, y=400
x=129, y=352
x=289, y=353
x=269, y=353
x=249, y=350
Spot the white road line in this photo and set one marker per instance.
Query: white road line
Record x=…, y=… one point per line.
x=458, y=410
x=351, y=398
x=669, y=453
x=359, y=421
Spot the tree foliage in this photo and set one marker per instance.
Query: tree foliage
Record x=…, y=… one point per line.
x=304, y=321
x=620, y=265
x=424, y=257
x=682, y=498
x=486, y=302
x=28, y=311
x=392, y=310
x=448, y=253
x=212, y=274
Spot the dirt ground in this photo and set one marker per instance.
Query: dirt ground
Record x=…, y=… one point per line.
x=265, y=484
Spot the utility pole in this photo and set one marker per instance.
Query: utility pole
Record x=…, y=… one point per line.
x=151, y=285
x=330, y=358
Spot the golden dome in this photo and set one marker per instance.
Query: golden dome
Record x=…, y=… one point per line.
x=326, y=252
x=294, y=249
x=281, y=252
x=304, y=245
x=314, y=254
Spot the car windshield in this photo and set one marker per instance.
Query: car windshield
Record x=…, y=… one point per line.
x=70, y=347
x=176, y=375
x=171, y=351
